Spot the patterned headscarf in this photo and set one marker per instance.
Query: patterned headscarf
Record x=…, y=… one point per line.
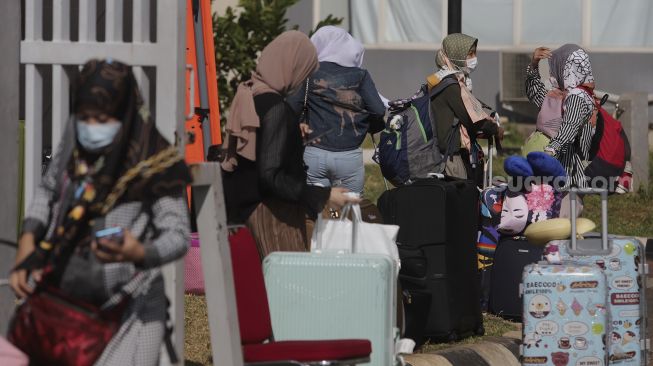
x=451, y=59
x=570, y=67
x=455, y=47
x=140, y=165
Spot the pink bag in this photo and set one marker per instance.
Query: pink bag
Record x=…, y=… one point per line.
x=10, y=355
x=193, y=275
x=550, y=117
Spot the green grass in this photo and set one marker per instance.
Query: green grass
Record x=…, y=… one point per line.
x=630, y=214
x=374, y=185
x=367, y=143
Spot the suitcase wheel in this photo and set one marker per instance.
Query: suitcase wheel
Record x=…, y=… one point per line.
x=480, y=330
x=452, y=337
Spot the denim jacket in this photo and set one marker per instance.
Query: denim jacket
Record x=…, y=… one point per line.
x=341, y=101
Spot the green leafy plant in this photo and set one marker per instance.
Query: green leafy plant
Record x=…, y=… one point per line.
x=240, y=35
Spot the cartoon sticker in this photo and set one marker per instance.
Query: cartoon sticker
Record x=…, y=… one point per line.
x=614, y=264
x=576, y=307
x=629, y=336
x=625, y=298
x=589, y=361
x=546, y=328
x=561, y=307
x=615, y=338
x=630, y=248
x=539, y=307
x=629, y=314
x=532, y=340
x=534, y=360
x=597, y=328
x=623, y=282
x=580, y=343
x=560, y=358
x=575, y=328
x=564, y=343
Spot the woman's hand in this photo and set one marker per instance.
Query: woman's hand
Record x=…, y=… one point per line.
x=109, y=251
x=18, y=279
x=500, y=133
x=305, y=129
x=339, y=198
x=540, y=53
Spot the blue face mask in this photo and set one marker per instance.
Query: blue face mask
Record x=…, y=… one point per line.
x=95, y=137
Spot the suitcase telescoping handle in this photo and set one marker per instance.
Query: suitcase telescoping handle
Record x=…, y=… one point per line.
x=573, y=194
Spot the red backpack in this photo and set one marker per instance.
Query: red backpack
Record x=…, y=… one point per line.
x=610, y=148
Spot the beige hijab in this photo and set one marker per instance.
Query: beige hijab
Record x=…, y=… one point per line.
x=282, y=67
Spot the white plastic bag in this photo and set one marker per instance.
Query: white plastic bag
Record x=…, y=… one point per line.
x=356, y=236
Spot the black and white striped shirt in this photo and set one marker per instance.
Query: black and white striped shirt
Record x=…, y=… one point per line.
x=572, y=143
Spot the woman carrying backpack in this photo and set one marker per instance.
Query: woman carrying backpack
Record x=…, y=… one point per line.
x=340, y=103
x=571, y=75
x=264, y=178
x=457, y=60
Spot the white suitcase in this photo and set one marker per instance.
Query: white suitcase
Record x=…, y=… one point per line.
x=334, y=296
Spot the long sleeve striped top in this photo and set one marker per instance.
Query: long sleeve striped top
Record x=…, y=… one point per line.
x=572, y=143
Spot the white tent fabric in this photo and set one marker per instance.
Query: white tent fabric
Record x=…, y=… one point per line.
x=614, y=23
x=622, y=23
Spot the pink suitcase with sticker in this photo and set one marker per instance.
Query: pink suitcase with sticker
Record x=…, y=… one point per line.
x=193, y=275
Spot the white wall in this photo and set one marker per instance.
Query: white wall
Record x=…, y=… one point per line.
x=220, y=6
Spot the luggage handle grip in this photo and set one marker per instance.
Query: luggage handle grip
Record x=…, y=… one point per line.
x=573, y=194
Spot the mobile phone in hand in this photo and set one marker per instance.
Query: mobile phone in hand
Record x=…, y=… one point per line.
x=114, y=234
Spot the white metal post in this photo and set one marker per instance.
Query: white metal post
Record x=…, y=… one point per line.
x=87, y=20
x=141, y=34
x=60, y=79
x=113, y=20
x=170, y=82
x=216, y=264
x=33, y=103
x=10, y=18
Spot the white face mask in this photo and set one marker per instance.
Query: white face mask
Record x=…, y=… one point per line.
x=471, y=64
x=96, y=136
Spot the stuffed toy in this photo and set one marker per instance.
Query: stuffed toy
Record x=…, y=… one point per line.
x=536, y=202
x=514, y=214
x=517, y=166
x=491, y=205
x=545, y=165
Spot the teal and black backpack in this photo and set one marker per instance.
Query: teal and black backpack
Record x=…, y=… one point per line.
x=408, y=147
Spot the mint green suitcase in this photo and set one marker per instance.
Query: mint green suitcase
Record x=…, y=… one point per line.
x=334, y=296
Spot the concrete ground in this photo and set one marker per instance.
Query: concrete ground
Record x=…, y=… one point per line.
x=499, y=351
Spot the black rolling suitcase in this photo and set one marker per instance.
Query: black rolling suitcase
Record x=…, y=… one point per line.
x=437, y=245
x=510, y=258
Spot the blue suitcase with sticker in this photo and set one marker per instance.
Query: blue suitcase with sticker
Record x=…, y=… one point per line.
x=565, y=318
x=624, y=265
